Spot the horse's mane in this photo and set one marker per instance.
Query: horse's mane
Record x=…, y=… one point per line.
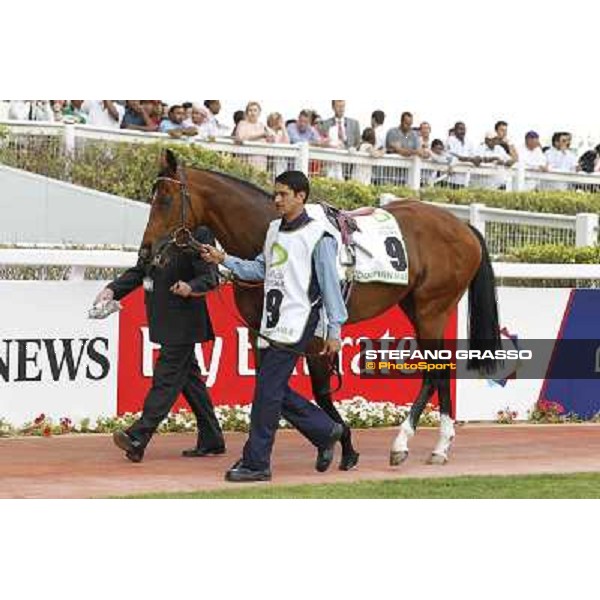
x=252, y=186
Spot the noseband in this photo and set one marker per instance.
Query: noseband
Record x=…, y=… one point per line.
x=181, y=237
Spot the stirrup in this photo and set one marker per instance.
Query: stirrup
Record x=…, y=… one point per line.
x=348, y=256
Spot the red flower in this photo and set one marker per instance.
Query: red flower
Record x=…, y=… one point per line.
x=47, y=431
x=543, y=405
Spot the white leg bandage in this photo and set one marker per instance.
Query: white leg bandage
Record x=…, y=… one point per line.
x=446, y=436
x=406, y=432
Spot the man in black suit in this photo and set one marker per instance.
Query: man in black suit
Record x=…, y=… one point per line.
x=177, y=319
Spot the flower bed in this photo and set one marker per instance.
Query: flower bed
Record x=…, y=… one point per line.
x=357, y=413
x=544, y=412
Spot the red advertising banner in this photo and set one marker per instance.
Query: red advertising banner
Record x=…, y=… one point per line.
x=228, y=362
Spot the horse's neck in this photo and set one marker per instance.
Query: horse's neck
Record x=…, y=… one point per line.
x=238, y=216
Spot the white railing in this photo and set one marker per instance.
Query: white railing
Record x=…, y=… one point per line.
x=334, y=163
x=79, y=260
x=503, y=229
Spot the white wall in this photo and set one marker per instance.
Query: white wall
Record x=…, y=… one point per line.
x=37, y=210
x=531, y=314
x=37, y=320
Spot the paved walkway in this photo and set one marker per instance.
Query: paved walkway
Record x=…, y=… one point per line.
x=90, y=466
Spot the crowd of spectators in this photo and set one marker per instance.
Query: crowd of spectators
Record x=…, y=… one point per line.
x=201, y=121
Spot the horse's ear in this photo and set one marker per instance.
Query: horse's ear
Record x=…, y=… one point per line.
x=169, y=160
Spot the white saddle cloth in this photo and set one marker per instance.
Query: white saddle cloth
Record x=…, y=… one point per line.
x=380, y=249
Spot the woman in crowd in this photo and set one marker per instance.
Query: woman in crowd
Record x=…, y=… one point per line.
x=364, y=172
x=57, y=110
x=252, y=129
x=238, y=117
x=277, y=128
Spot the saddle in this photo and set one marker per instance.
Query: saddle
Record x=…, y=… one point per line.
x=345, y=222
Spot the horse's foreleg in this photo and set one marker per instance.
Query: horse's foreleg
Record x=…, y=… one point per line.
x=431, y=331
x=399, y=451
x=320, y=377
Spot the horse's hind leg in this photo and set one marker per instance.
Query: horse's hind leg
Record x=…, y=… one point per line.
x=320, y=377
x=441, y=452
x=429, y=321
x=399, y=451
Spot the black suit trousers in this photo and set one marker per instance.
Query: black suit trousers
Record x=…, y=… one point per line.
x=177, y=371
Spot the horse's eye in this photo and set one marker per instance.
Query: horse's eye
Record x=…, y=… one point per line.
x=165, y=200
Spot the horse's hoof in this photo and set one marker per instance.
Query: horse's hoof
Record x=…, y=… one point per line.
x=437, y=459
x=349, y=461
x=398, y=457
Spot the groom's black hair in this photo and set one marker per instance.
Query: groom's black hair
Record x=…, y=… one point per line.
x=296, y=181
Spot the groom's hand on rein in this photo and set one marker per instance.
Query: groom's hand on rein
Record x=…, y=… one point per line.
x=181, y=288
x=211, y=255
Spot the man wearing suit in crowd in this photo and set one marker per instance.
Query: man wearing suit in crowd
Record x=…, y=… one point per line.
x=178, y=319
x=339, y=129
x=342, y=133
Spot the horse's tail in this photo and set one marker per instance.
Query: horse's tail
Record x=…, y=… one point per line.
x=484, y=330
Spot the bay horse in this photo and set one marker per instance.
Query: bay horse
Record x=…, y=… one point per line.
x=446, y=257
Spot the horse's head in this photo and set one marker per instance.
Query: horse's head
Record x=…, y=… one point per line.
x=172, y=219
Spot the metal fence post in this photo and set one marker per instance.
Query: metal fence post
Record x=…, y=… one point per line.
x=302, y=157
x=414, y=174
x=476, y=217
x=519, y=178
x=586, y=229
x=69, y=139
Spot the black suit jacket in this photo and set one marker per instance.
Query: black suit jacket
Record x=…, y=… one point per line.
x=172, y=319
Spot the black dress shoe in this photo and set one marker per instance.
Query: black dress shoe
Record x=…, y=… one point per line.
x=325, y=453
x=134, y=451
x=349, y=461
x=200, y=451
x=239, y=473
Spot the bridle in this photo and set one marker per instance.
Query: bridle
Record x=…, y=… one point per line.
x=181, y=237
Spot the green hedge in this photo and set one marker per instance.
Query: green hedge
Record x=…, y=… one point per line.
x=128, y=170
x=559, y=202
x=123, y=169
x=554, y=253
